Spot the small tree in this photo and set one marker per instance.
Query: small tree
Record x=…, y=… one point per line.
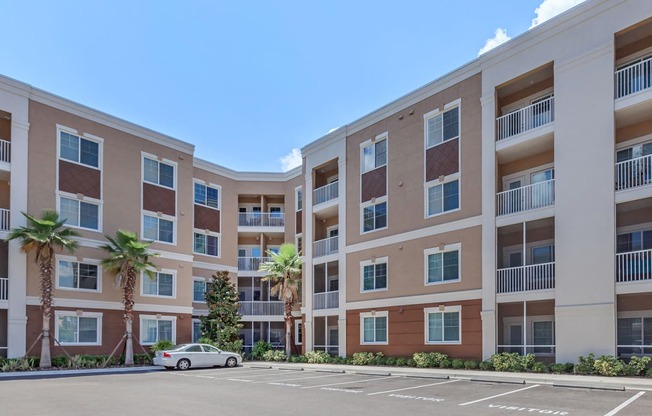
x=222, y=323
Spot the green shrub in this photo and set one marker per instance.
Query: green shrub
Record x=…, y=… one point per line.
x=260, y=348
x=317, y=357
x=569, y=368
x=457, y=363
x=10, y=365
x=514, y=362
x=390, y=361
x=59, y=361
x=379, y=359
x=471, y=365
x=274, y=355
x=648, y=373
x=162, y=345
x=363, y=358
x=487, y=365
x=411, y=362
x=557, y=368
x=428, y=359
x=585, y=365
x=539, y=367
x=637, y=365
x=401, y=362
x=445, y=363
x=609, y=366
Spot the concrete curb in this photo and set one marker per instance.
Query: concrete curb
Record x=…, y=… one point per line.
x=46, y=374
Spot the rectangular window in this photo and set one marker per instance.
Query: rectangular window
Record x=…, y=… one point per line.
x=299, y=193
x=78, y=213
x=442, y=127
x=73, y=329
x=158, y=229
x=161, y=285
x=374, y=217
x=199, y=290
x=374, y=276
x=153, y=330
x=374, y=328
x=543, y=333
x=158, y=173
x=207, y=196
x=76, y=149
x=206, y=244
x=374, y=155
x=76, y=275
x=442, y=266
x=443, y=197
x=443, y=327
x=298, y=333
x=634, y=241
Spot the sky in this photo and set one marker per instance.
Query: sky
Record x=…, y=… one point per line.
x=250, y=83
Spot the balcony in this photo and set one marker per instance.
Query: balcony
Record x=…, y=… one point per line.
x=4, y=288
x=251, y=263
x=526, y=278
x=325, y=247
x=5, y=151
x=634, y=78
x=326, y=193
x=526, y=198
x=634, y=173
x=326, y=300
x=634, y=266
x=528, y=118
x=250, y=221
x=259, y=308
x=4, y=220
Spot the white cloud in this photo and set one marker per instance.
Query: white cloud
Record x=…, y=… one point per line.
x=551, y=8
x=291, y=160
x=499, y=38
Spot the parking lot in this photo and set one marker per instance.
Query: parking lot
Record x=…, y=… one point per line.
x=258, y=391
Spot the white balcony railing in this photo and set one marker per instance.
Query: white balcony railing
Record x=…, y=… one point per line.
x=634, y=78
x=525, y=198
x=251, y=263
x=527, y=118
x=4, y=288
x=257, y=307
x=4, y=219
x=326, y=300
x=5, y=151
x=634, y=266
x=325, y=247
x=526, y=278
x=325, y=193
x=261, y=219
x=634, y=172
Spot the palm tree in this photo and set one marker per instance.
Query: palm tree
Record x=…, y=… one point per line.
x=128, y=257
x=42, y=236
x=284, y=271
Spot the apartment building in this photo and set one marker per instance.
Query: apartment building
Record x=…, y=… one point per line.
x=506, y=206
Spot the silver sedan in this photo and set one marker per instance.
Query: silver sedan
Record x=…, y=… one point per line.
x=185, y=356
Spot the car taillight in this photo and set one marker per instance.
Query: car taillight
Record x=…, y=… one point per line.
x=166, y=355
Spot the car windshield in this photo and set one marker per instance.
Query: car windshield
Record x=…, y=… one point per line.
x=177, y=347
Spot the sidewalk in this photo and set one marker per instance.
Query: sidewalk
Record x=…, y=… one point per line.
x=44, y=374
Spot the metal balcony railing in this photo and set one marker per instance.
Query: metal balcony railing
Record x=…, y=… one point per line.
x=634, y=78
x=5, y=151
x=527, y=118
x=325, y=247
x=4, y=220
x=257, y=307
x=526, y=278
x=261, y=219
x=251, y=263
x=634, y=266
x=325, y=193
x=525, y=198
x=634, y=172
x=326, y=300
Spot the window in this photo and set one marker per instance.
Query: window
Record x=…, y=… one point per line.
x=635, y=335
x=153, y=330
x=79, y=150
x=543, y=333
x=298, y=333
x=543, y=254
x=161, y=285
x=207, y=195
x=443, y=326
x=158, y=173
x=374, y=155
x=442, y=127
x=374, y=275
x=634, y=241
x=206, y=244
x=299, y=199
x=74, y=329
x=374, y=217
x=76, y=275
x=78, y=213
x=196, y=330
x=443, y=197
x=442, y=266
x=158, y=229
x=198, y=290
x=374, y=328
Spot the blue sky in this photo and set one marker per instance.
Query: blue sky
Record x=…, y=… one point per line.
x=247, y=82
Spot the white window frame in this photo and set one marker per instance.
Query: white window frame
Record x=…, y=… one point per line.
x=196, y=279
x=159, y=160
x=210, y=234
x=296, y=242
x=87, y=200
x=377, y=314
x=85, y=136
x=297, y=340
x=526, y=175
x=157, y=318
x=98, y=317
x=159, y=216
x=144, y=276
x=373, y=202
x=374, y=262
x=84, y=260
x=445, y=309
x=298, y=190
x=207, y=184
x=373, y=142
x=440, y=112
x=436, y=182
x=446, y=249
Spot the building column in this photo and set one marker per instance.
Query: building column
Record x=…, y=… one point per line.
x=341, y=255
x=308, y=235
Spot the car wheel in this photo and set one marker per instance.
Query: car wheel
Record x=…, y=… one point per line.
x=169, y=367
x=183, y=364
x=231, y=362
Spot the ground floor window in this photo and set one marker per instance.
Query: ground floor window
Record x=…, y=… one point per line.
x=74, y=329
x=153, y=329
x=374, y=328
x=635, y=335
x=443, y=326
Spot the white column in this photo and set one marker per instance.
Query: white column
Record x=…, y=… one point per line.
x=308, y=238
x=341, y=254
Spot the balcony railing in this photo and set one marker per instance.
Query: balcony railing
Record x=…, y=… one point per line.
x=634, y=266
x=634, y=78
x=325, y=247
x=261, y=219
x=326, y=300
x=527, y=118
x=525, y=198
x=4, y=219
x=526, y=278
x=325, y=193
x=257, y=307
x=4, y=288
x=634, y=172
x=5, y=151
x=251, y=263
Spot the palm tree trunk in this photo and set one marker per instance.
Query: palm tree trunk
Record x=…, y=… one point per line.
x=128, y=300
x=46, y=305
x=288, y=328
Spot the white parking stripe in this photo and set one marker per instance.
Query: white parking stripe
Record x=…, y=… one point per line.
x=415, y=387
x=499, y=395
x=625, y=404
x=348, y=382
x=300, y=378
